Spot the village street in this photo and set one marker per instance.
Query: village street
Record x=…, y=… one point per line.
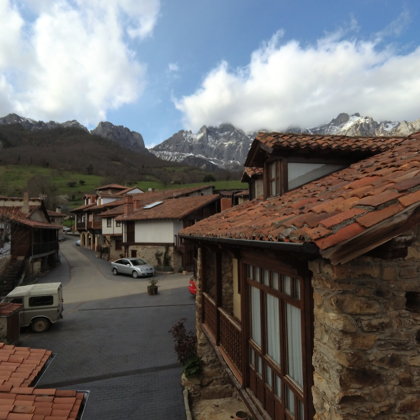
x=114, y=340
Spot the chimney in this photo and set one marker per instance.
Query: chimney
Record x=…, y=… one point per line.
x=25, y=205
x=128, y=205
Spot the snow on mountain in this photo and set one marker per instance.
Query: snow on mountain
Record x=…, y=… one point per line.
x=227, y=146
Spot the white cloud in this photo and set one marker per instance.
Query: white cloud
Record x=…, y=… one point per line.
x=173, y=67
x=287, y=84
x=72, y=59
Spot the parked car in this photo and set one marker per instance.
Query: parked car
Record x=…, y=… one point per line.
x=192, y=287
x=135, y=267
x=77, y=243
x=42, y=304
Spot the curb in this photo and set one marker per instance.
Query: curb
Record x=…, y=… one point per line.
x=188, y=414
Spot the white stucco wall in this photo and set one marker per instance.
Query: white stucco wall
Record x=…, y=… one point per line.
x=156, y=231
x=111, y=230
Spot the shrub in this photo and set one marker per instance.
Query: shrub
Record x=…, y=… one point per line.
x=185, y=347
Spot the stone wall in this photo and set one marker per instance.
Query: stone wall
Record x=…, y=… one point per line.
x=4, y=261
x=150, y=253
x=227, y=283
x=367, y=338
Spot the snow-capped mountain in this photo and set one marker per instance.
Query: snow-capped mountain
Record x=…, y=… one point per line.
x=357, y=125
x=29, y=124
x=227, y=146
x=224, y=146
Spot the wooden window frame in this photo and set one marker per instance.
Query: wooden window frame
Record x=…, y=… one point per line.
x=280, y=177
x=304, y=303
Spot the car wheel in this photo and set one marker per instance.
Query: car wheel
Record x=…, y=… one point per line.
x=135, y=274
x=114, y=271
x=40, y=325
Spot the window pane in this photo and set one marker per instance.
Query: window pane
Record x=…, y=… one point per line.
x=258, y=364
x=251, y=357
x=257, y=274
x=250, y=271
x=278, y=390
x=297, y=288
x=294, y=344
x=275, y=280
x=273, y=189
x=255, y=315
x=287, y=285
x=300, y=415
x=290, y=401
x=266, y=275
x=268, y=376
x=273, y=328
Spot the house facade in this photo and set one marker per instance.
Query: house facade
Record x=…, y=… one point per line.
x=28, y=241
x=308, y=297
x=123, y=220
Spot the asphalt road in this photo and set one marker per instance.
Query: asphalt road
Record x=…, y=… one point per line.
x=114, y=340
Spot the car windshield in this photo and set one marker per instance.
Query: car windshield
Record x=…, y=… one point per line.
x=138, y=261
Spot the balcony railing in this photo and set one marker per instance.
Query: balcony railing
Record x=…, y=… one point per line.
x=225, y=332
x=44, y=247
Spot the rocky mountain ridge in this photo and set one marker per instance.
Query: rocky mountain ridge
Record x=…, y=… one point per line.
x=116, y=133
x=227, y=146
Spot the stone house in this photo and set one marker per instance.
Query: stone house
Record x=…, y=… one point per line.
x=87, y=217
x=113, y=227
x=32, y=245
x=309, y=297
x=150, y=230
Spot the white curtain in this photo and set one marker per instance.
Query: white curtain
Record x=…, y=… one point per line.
x=273, y=328
x=256, y=315
x=294, y=344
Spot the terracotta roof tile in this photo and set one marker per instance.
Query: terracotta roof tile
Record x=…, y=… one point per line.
x=173, y=208
x=410, y=199
x=350, y=201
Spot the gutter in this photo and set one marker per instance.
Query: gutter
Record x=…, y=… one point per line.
x=305, y=248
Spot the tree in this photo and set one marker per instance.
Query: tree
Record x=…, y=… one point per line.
x=40, y=185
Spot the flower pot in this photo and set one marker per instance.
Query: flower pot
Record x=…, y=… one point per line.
x=152, y=290
x=241, y=415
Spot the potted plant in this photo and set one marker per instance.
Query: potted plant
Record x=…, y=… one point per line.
x=152, y=288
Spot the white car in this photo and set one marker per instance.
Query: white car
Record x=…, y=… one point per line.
x=135, y=267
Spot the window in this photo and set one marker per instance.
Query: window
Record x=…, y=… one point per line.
x=118, y=223
x=41, y=300
x=276, y=343
x=109, y=222
x=275, y=179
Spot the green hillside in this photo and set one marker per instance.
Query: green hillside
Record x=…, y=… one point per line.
x=66, y=188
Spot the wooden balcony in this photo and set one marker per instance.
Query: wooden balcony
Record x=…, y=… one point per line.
x=225, y=332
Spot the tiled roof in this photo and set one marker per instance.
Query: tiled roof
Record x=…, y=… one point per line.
x=16, y=214
x=40, y=404
x=112, y=186
x=333, y=210
x=172, y=208
x=313, y=143
x=251, y=172
x=21, y=366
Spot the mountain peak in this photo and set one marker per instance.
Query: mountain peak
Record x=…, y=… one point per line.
x=120, y=134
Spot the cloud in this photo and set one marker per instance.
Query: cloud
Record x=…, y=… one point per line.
x=173, y=67
x=289, y=84
x=72, y=58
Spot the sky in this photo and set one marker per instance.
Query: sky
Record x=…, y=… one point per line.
x=159, y=66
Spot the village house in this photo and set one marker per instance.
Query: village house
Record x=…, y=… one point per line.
x=308, y=298
x=28, y=241
x=87, y=217
x=155, y=231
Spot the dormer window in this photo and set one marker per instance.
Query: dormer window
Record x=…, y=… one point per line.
x=275, y=178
